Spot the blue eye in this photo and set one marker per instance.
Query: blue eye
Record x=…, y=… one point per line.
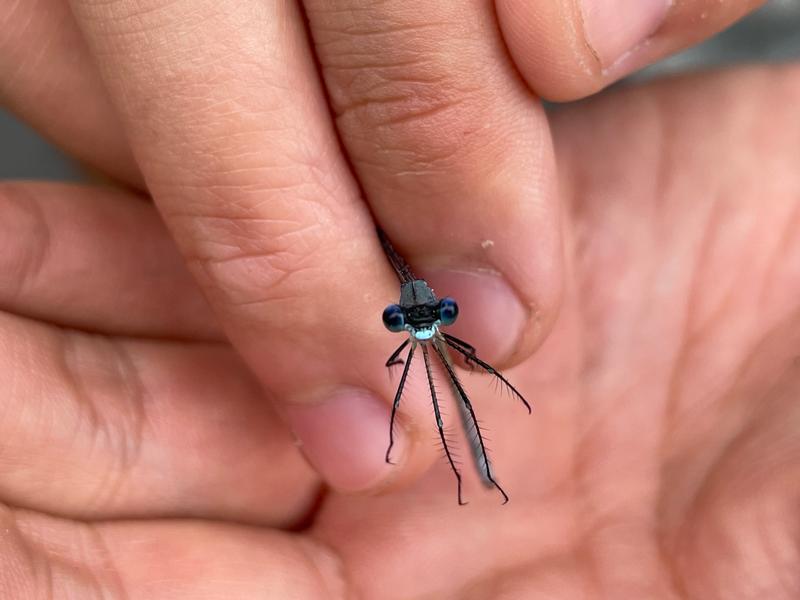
x=393, y=318
x=448, y=311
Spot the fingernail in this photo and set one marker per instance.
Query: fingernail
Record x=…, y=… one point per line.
x=490, y=315
x=345, y=437
x=615, y=27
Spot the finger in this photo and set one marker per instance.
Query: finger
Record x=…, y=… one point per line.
x=454, y=154
x=97, y=259
x=162, y=560
x=95, y=427
x=48, y=79
x=567, y=50
x=233, y=134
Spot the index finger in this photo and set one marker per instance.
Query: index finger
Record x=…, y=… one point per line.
x=231, y=130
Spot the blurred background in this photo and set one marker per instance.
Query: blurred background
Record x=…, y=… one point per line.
x=770, y=34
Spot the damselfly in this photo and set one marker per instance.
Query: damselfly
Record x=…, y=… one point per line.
x=422, y=315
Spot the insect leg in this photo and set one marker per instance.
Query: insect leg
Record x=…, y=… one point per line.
x=455, y=344
x=397, y=396
x=465, y=399
x=393, y=360
x=439, y=422
x=470, y=349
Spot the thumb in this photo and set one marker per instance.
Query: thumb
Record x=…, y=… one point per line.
x=568, y=49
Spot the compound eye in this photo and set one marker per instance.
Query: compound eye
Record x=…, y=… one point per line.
x=448, y=311
x=393, y=318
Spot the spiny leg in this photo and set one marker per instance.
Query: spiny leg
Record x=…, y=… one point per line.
x=471, y=352
x=439, y=422
x=468, y=404
x=393, y=360
x=466, y=419
x=397, y=396
x=463, y=348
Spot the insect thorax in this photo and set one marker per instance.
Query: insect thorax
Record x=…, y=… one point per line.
x=419, y=304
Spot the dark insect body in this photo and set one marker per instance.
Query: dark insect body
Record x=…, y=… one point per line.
x=422, y=315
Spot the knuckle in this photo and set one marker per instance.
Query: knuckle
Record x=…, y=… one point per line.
x=22, y=556
x=431, y=125
x=410, y=82
x=116, y=427
x=139, y=13
x=248, y=223
x=253, y=221
x=242, y=257
x=24, y=240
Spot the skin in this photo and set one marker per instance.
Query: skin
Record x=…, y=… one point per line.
x=661, y=460
x=272, y=137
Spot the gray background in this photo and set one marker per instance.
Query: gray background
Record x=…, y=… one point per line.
x=770, y=34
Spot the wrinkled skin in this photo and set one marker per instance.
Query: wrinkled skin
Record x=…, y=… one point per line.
x=662, y=459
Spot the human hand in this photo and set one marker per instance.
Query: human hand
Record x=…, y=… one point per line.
x=241, y=146
x=586, y=402
x=662, y=459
